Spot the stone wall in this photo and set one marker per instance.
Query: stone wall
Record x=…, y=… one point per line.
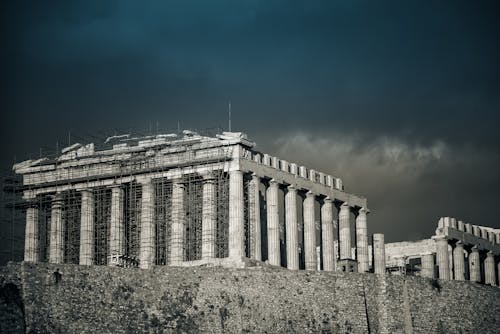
x=74, y=299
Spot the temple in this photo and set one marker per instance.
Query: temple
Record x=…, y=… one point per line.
x=457, y=251
x=186, y=199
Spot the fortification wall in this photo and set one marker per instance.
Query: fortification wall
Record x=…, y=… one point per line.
x=74, y=299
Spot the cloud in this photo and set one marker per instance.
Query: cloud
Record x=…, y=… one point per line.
x=409, y=185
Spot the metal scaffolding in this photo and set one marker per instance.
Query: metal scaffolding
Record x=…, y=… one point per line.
x=14, y=213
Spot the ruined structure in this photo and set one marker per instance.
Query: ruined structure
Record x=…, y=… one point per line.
x=457, y=251
x=187, y=199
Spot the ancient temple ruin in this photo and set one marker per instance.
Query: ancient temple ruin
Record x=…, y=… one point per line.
x=458, y=251
x=186, y=199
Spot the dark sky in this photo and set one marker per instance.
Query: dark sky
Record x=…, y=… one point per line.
x=401, y=99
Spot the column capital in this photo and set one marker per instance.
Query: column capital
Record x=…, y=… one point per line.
x=363, y=210
x=292, y=187
x=459, y=243
x=116, y=186
x=208, y=177
x=490, y=254
x=344, y=205
x=310, y=194
x=474, y=249
x=57, y=198
x=144, y=180
x=327, y=199
x=178, y=180
x=273, y=183
x=32, y=203
x=255, y=177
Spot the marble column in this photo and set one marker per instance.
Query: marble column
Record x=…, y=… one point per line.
x=87, y=227
x=254, y=217
x=442, y=258
x=427, y=265
x=236, y=218
x=327, y=235
x=178, y=226
x=209, y=218
x=475, y=265
x=309, y=232
x=56, y=243
x=362, y=241
x=117, y=225
x=378, y=253
x=292, y=238
x=31, y=252
x=345, y=232
x=273, y=224
x=489, y=269
x=459, y=262
x=147, y=236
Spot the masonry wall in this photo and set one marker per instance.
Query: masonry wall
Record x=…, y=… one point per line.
x=74, y=299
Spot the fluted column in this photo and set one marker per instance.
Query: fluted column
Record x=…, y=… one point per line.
x=309, y=232
x=489, y=269
x=178, y=222
x=345, y=232
x=427, y=265
x=273, y=227
x=254, y=216
x=475, y=265
x=442, y=258
x=292, y=239
x=31, y=252
x=87, y=227
x=147, y=237
x=327, y=235
x=378, y=253
x=209, y=218
x=117, y=225
x=459, y=262
x=362, y=241
x=56, y=243
x=236, y=222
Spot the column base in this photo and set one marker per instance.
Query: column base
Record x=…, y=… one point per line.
x=347, y=265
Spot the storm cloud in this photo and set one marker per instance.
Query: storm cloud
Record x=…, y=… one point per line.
x=399, y=99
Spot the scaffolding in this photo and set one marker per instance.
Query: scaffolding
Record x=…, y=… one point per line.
x=14, y=208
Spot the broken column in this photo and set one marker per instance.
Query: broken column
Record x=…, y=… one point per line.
x=427, y=265
x=273, y=224
x=147, y=236
x=459, y=261
x=378, y=253
x=362, y=241
x=344, y=232
x=56, y=243
x=327, y=235
x=178, y=222
x=236, y=218
x=292, y=250
x=254, y=216
x=87, y=227
x=117, y=226
x=209, y=218
x=489, y=269
x=31, y=235
x=474, y=265
x=309, y=232
x=442, y=257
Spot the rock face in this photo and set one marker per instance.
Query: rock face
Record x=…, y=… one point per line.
x=76, y=299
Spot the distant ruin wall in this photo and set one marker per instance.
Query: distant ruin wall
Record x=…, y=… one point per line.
x=73, y=299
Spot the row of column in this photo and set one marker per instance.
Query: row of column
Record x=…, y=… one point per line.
x=236, y=238
x=236, y=226
x=457, y=265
